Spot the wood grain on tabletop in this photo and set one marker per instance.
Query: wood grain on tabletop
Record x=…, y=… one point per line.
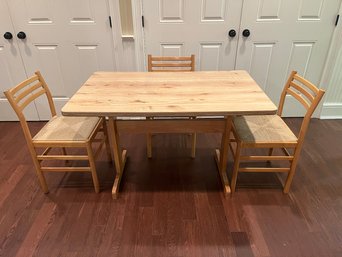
x=171, y=94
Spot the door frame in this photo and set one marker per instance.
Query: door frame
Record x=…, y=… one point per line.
x=114, y=13
x=325, y=108
x=140, y=55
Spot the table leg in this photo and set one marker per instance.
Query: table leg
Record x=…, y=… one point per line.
x=221, y=156
x=118, y=156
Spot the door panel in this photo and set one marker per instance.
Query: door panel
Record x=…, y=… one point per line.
x=193, y=27
x=171, y=11
x=213, y=10
x=66, y=40
x=210, y=56
x=12, y=71
x=260, y=62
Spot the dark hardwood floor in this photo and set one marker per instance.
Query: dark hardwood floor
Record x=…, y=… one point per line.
x=173, y=205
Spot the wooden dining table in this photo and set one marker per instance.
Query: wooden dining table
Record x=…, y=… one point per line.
x=214, y=97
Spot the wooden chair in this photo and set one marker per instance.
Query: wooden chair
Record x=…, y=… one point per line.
x=171, y=64
x=59, y=132
x=270, y=131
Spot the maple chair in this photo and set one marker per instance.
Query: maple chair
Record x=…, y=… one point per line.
x=59, y=132
x=270, y=132
x=171, y=64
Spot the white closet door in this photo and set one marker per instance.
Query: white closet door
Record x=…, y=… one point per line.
x=12, y=70
x=66, y=40
x=184, y=27
x=285, y=36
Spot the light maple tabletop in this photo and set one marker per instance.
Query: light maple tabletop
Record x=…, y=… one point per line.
x=169, y=94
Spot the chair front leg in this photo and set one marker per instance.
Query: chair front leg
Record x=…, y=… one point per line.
x=105, y=134
x=236, y=166
x=93, y=167
x=292, y=170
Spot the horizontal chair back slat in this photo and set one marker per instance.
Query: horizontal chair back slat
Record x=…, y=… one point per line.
x=31, y=98
x=307, y=83
x=171, y=63
x=23, y=84
x=301, y=99
x=302, y=90
x=168, y=70
x=171, y=58
x=27, y=91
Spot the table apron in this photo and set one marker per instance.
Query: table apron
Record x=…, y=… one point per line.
x=171, y=126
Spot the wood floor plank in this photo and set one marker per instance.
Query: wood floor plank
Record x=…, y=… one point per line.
x=39, y=227
x=7, y=186
x=242, y=244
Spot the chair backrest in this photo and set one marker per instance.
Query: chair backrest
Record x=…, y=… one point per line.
x=305, y=93
x=26, y=92
x=171, y=63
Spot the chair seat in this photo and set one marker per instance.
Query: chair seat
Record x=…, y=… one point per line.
x=61, y=128
x=263, y=129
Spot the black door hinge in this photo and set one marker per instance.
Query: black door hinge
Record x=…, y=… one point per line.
x=143, y=21
x=337, y=18
x=110, y=21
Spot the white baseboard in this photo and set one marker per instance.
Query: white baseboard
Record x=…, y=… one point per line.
x=331, y=111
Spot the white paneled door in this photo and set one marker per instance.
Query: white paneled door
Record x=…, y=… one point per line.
x=65, y=40
x=272, y=38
